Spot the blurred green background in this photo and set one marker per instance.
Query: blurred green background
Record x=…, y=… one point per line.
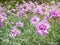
x=39, y=1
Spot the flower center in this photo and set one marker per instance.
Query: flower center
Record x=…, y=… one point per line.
x=34, y=20
x=42, y=27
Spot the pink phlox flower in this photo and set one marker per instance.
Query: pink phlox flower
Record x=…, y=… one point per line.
x=15, y=32
x=42, y=27
x=19, y=24
x=34, y=20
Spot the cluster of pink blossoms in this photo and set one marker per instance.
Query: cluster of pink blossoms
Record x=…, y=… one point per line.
x=51, y=10
x=41, y=26
x=34, y=20
x=25, y=7
x=19, y=24
x=46, y=10
x=3, y=16
x=15, y=31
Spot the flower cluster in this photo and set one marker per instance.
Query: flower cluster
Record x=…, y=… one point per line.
x=39, y=10
x=34, y=20
x=19, y=24
x=41, y=26
x=14, y=32
x=3, y=16
x=51, y=10
x=25, y=7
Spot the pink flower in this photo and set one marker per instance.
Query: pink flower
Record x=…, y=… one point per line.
x=52, y=2
x=9, y=11
x=28, y=8
x=42, y=33
x=58, y=3
x=31, y=4
x=42, y=27
x=34, y=20
x=54, y=13
x=25, y=4
x=21, y=12
x=38, y=10
x=3, y=17
x=14, y=32
x=19, y=24
x=17, y=4
x=47, y=17
x=14, y=27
